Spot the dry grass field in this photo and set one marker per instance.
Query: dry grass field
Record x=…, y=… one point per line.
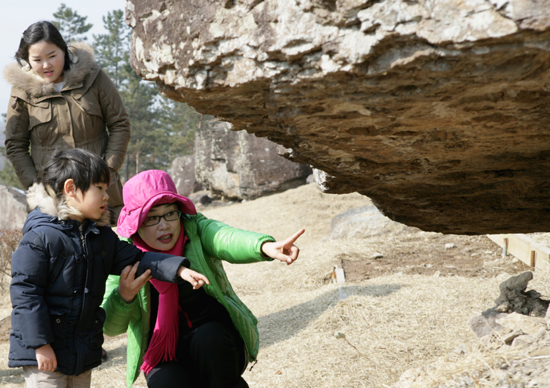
x=389, y=317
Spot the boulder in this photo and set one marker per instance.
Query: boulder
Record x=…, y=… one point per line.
x=238, y=165
x=514, y=298
x=437, y=111
x=13, y=203
x=201, y=198
x=2, y=140
x=363, y=222
x=183, y=174
x=486, y=323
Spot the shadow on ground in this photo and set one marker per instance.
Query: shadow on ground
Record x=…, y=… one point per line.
x=116, y=356
x=11, y=376
x=285, y=324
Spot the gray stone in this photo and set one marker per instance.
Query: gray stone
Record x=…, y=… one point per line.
x=509, y=337
x=363, y=222
x=13, y=204
x=513, y=297
x=437, y=111
x=2, y=140
x=201, y=198
x=485, y=324
x=237, y=165
x=522, y=341
x=528, y=324
x=183, y=174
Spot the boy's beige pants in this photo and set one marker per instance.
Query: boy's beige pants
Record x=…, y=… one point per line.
x=47, y=379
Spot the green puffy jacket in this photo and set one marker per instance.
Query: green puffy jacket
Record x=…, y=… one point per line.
x=209, y=242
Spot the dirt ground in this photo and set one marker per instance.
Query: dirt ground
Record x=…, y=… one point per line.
x=429, y=256
x=300, y=309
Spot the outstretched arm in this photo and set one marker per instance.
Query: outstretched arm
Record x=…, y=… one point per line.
x=129, y=285
x=196, y=279
x=283, y=250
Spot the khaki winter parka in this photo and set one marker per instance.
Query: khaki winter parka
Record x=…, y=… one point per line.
x=88, y=113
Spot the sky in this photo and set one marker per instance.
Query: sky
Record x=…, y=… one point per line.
x=17, y=16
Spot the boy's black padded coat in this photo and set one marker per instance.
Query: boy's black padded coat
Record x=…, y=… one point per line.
x=58, y=281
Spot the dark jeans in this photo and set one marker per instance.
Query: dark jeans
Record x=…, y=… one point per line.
x=212, y=356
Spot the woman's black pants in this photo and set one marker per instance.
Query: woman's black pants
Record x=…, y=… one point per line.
x=211, y=356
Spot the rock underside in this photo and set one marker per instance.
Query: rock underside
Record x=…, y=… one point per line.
x=437, y=111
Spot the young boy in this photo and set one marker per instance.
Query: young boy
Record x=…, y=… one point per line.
x=59, y=272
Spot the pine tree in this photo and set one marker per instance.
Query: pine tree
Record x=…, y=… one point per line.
x=71, y=25
x=179, y=122
x=113, y=48
x=139, y=97
x=161, y=129
x=147, y=149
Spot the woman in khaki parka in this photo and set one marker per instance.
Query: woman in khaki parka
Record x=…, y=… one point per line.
x=61, y=99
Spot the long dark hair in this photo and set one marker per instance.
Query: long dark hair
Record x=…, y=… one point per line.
x=41, y=31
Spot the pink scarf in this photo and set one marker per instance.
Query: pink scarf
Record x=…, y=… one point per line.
x=162, y=346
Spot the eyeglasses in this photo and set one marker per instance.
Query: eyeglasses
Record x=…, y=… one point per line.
x=154, y=220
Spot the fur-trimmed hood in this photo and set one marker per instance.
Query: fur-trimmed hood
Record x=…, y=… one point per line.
x=45, y=199
x=26, y=80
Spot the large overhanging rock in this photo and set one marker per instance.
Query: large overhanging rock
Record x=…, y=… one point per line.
x=439, y=111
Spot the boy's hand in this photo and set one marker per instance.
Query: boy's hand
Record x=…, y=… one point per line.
x=196, y=279
x=45, y=356
x=283, y=250
x=129, y=285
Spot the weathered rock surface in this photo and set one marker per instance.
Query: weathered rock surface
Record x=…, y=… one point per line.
x=2, y=140
x=514, y=298
x=183, y=174
x=13, y=203
x=438, y=111
x=238, y=165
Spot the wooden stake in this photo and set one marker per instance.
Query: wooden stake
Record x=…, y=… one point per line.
x=505, y=248
x=532, y=260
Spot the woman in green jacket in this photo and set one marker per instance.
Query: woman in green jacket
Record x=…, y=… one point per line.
x=179, y=336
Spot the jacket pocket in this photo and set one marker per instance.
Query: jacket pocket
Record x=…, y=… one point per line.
x=90, y=105
x=95, y=337
x=59, y=323
x=40, y=115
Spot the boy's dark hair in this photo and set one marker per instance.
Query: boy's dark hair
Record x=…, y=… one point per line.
x=82, y=166
x=41, y=31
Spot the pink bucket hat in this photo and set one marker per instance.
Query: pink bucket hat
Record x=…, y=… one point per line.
x=141, y=193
